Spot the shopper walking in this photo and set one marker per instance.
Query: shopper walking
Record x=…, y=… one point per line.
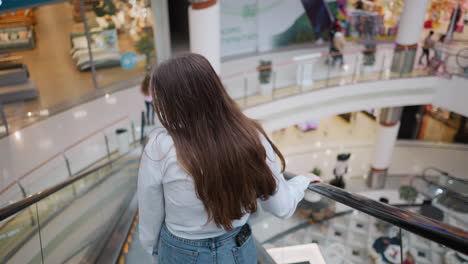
x=427, y=45
x=145, y=90
x=438, y=60
x=205, y=172
x=337, y=49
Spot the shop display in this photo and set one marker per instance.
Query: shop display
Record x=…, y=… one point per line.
x=17, y=31
x=16, y=38
x=15, y=84
x=104, y=48
x=112, y=22
x=21, y=17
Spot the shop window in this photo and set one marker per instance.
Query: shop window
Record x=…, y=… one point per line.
x=37, y=71
x=121, y=39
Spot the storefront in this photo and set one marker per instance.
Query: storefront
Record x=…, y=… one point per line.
x=59, y=51
x=249, y=26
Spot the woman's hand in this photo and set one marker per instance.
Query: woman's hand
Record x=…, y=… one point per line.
x=313, y=178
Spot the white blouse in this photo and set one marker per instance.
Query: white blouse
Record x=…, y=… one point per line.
x=166, y=194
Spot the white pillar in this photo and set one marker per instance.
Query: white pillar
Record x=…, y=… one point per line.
x=384, y=145
x=411, y=22
x=387, y=132
x=161, y=30
x=409, y=33
x=204, y=27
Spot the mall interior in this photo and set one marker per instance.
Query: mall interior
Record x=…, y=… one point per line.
x=386, y=129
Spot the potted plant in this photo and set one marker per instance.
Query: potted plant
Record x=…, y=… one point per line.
x=317, y=171
x=408, y=193
x=145, y=46
x=264, y=77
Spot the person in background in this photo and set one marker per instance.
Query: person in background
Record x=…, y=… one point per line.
x=439, y=47
x=148, y=100
x=438, y=60
x=427, y=45
x=338, y=47
x=206, y=171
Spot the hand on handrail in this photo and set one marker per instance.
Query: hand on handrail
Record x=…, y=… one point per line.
x=314, y=179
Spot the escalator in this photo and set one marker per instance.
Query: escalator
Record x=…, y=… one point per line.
x=92, y=218
x=68, y=223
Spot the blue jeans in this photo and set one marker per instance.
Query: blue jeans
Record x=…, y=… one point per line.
x=221, y=249
x=149, y=107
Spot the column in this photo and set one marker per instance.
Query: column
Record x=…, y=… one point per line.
x=204, y=28
x=387, y=132
x=161, y=30
x=409, y=33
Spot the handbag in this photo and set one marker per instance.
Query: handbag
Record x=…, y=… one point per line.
x=428, y=24
x=459, y=27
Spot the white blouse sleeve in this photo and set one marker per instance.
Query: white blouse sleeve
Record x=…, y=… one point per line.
x=150, y=202
x=288, y=194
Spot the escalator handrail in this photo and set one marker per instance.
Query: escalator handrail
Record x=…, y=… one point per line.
x=446, y=174
x=430, y=229
x=14, y=208
x=460, y=196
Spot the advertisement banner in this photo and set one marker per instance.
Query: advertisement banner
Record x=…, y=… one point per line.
x=302, y=21
x=254, y=25
x=238, y=27
x=10, y=5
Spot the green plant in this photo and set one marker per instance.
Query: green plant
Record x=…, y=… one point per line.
x=264, y=71
x=106, y=7
x=145, y=46
x=317, y=171
x=408, y=193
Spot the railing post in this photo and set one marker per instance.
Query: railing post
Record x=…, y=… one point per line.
x=88, y=41
x=328, y=74
x=273, y=83
x=246, y=84
x=132, y=126
x=301, y=77
x=356, y=68
x=67, y=164
x=106, y=139
x=402, y=62
x=2, y=113
x=383, y=67
x=23, y=192
x=142, y=133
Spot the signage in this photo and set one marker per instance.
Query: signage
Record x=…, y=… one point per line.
x=11, y=5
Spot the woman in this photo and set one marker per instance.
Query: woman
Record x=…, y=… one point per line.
x=202, y=175
x=148, y=100
x=438, y=59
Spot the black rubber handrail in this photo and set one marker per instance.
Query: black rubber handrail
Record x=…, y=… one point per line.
x=14, y=208
x=430, y=229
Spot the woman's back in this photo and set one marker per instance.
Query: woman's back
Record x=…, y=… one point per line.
x=203, y=174
x=185, y=214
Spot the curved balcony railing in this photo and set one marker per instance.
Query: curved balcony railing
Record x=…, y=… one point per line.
x=281, y=79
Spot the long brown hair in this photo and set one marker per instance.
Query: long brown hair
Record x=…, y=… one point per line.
x=145, y=85
x=215, y=142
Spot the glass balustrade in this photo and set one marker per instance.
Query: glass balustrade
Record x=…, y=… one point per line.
x=69, y=225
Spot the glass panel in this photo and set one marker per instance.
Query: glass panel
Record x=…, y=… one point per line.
x=39, y=61
x=19, y=237
x=122, y=39
x=322, y=228
x=75, y=219
x=285, y=80
x=422, y=250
